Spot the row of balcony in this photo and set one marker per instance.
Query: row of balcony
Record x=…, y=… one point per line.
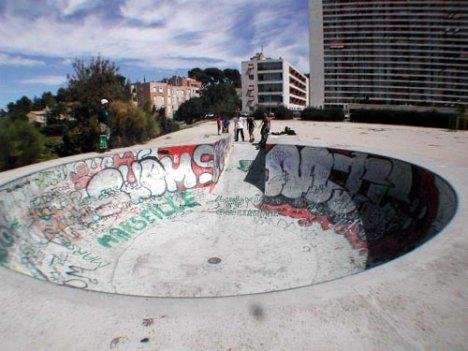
x=436, y=80
x=386, y=92
x=297, y=93
x=295, y=101
x=388, y=71
x=375, y=62
x=393, y=100
x=296, y=83
x=297, y=75
x=328, y=4
x=399, y=45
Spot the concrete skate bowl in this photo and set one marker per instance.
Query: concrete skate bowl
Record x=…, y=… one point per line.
x=182, y=222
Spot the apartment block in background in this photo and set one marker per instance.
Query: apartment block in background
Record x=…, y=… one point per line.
x=395, y=52
x=168, y=93
x=271, y=83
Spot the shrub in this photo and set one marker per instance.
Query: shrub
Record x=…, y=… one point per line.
x=53, y=148
x=81, y=139
x=191, y=110
x=129, y=124
x=283, y=112
x=20, y=144
x=259, y=113
x=54, y=129
x=422, y=119
x=322, y=114
x=168, y=125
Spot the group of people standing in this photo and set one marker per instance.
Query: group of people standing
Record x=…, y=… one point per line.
x=240, y=122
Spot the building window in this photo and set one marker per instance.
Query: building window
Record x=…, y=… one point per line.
x=270, y=87
x=269, y=76
x=270, y=98
x=268, y=66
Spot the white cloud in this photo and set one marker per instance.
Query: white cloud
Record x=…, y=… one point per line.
x=10, y=60
x=45, y=80
x=69, y=7
x=162, y=33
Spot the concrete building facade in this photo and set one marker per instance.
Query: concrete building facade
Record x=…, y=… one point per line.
x=168, y=93
x=271, y=83
x=398, y=52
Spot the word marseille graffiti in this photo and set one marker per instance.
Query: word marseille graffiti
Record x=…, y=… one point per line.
x=71, y=223
x=60, y=223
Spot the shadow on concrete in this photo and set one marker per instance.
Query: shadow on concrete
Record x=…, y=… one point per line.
x=383, y=206
x=256, y=173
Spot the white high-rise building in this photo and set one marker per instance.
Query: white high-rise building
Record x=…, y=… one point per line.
x=394, y=52
x=271, y=83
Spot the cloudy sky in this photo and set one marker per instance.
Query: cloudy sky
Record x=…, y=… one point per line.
x=151, y=38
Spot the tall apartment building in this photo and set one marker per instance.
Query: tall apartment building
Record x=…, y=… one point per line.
x=272, y=82
x=168, y=93
x=399, y=52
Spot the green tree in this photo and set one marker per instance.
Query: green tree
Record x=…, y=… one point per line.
x=322, y=114
x=260, y=112
x=232, y=76
x=63, y=95
x=283, y=112
x=221, y=99
x=48, y=100
x=131, y=125
x=94, y=81
x=24, y=105
x=20, y=143
x=90, y=83
x=191, y=110
x=216, y=75
x=200, y=75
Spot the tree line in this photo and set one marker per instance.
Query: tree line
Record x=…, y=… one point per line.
x=218, y=95
x=72, y=113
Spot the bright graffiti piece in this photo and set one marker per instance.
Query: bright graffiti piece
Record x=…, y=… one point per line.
x=379, y=204
x=97, y=223
x=148, y=215
x=51, y=221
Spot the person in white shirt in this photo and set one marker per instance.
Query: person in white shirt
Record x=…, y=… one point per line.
x=240, y=128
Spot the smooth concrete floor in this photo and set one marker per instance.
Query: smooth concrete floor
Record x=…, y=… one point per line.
x=418, y=301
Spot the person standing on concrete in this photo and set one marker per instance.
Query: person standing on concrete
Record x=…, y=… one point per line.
x=240, y=128
x=264, y=131
x=219, y=123
x=235, y=119
x=226, y=124
x=104, y=129
x=251, y=127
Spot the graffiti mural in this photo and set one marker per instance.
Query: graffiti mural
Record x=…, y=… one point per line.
x=58, y=223
x=381, y=205
x=285, y=217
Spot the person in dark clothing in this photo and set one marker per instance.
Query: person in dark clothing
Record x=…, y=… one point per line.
x=251, y=128
x=219, y=123
x=264, y=131
x=226, y=125
x=103, y=120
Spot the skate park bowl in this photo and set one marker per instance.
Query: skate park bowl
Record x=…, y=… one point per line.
x=212, y=220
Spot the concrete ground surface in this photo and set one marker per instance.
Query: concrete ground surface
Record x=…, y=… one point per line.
x=417, y=301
